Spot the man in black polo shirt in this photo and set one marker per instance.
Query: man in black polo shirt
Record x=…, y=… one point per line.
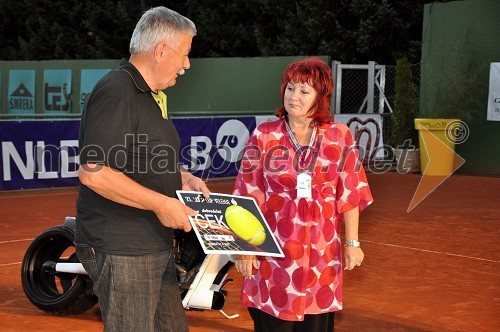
x=126, y=209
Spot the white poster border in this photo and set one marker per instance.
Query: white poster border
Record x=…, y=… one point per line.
x=213, y=231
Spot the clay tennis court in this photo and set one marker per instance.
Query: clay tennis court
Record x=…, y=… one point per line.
x=434, y=269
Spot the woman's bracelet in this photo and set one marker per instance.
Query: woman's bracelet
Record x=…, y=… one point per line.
x=352, y=243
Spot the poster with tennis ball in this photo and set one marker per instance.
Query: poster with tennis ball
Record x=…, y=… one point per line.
x=229, y=224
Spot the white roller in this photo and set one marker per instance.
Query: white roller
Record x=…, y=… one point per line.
x=70, y=268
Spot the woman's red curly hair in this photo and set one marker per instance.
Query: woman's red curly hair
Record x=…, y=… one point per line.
x=317, y=74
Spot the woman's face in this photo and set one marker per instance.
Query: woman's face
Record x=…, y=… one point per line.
x=298, y=99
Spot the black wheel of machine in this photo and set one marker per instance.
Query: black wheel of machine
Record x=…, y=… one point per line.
x=55, y=292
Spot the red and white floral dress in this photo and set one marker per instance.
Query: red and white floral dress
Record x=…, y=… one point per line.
x=308, y=280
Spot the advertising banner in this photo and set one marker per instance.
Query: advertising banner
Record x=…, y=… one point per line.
x=494, y=93
x=44, y=154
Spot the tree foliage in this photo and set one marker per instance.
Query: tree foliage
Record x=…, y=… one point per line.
x=405, y=105
x=351, y=31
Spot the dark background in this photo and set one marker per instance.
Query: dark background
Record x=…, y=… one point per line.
x=351, y=31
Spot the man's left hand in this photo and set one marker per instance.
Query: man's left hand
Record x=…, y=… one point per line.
x=191, y=182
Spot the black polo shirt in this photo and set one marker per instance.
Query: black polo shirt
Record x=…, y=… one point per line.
x=122, y=127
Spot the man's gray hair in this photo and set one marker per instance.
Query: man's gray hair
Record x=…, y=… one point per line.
x=156, y=24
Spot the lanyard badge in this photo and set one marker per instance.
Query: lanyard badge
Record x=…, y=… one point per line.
x=304, y=179
x=304, y=184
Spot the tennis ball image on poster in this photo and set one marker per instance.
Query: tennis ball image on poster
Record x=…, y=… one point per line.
x=244, y=224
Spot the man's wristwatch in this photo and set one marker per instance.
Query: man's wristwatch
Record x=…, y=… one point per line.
x=352, y=243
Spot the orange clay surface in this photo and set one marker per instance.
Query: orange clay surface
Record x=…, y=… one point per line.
x=434, y=269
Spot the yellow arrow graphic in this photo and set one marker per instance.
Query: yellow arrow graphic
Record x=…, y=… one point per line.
x=442, y=161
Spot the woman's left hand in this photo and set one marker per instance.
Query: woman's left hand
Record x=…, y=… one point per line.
x=353, y=257
x=246, y=264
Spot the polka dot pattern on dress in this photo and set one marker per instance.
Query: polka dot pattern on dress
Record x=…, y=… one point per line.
x=308, y=280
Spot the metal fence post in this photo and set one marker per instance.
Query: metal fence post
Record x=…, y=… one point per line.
x=337, y=79
x=371, y=86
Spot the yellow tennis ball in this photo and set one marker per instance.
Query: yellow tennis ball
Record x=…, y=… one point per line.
x=244, y=224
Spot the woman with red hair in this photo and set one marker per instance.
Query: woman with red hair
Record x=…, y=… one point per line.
x=303, y=171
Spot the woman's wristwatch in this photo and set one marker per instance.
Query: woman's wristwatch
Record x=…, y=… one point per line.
x=352, y=243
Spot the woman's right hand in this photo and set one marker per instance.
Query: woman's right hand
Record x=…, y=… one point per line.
x=245, y=264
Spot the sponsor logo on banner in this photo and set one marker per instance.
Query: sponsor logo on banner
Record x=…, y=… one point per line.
x=366, y=130
x=218, y=155
x=21, y=99
x=496, y=106
x=89, y=78
x=38, y=154
x=56, y=90
x=493, y=111
x=21, y=91
x=38, y=160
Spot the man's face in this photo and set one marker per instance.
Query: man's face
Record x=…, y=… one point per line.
x=173, y=61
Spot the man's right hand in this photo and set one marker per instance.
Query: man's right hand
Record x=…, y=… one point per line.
x=173, y=214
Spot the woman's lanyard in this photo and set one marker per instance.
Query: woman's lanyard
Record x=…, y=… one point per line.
x=304, y=179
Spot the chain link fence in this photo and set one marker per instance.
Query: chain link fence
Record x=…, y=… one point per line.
x=354, y=92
